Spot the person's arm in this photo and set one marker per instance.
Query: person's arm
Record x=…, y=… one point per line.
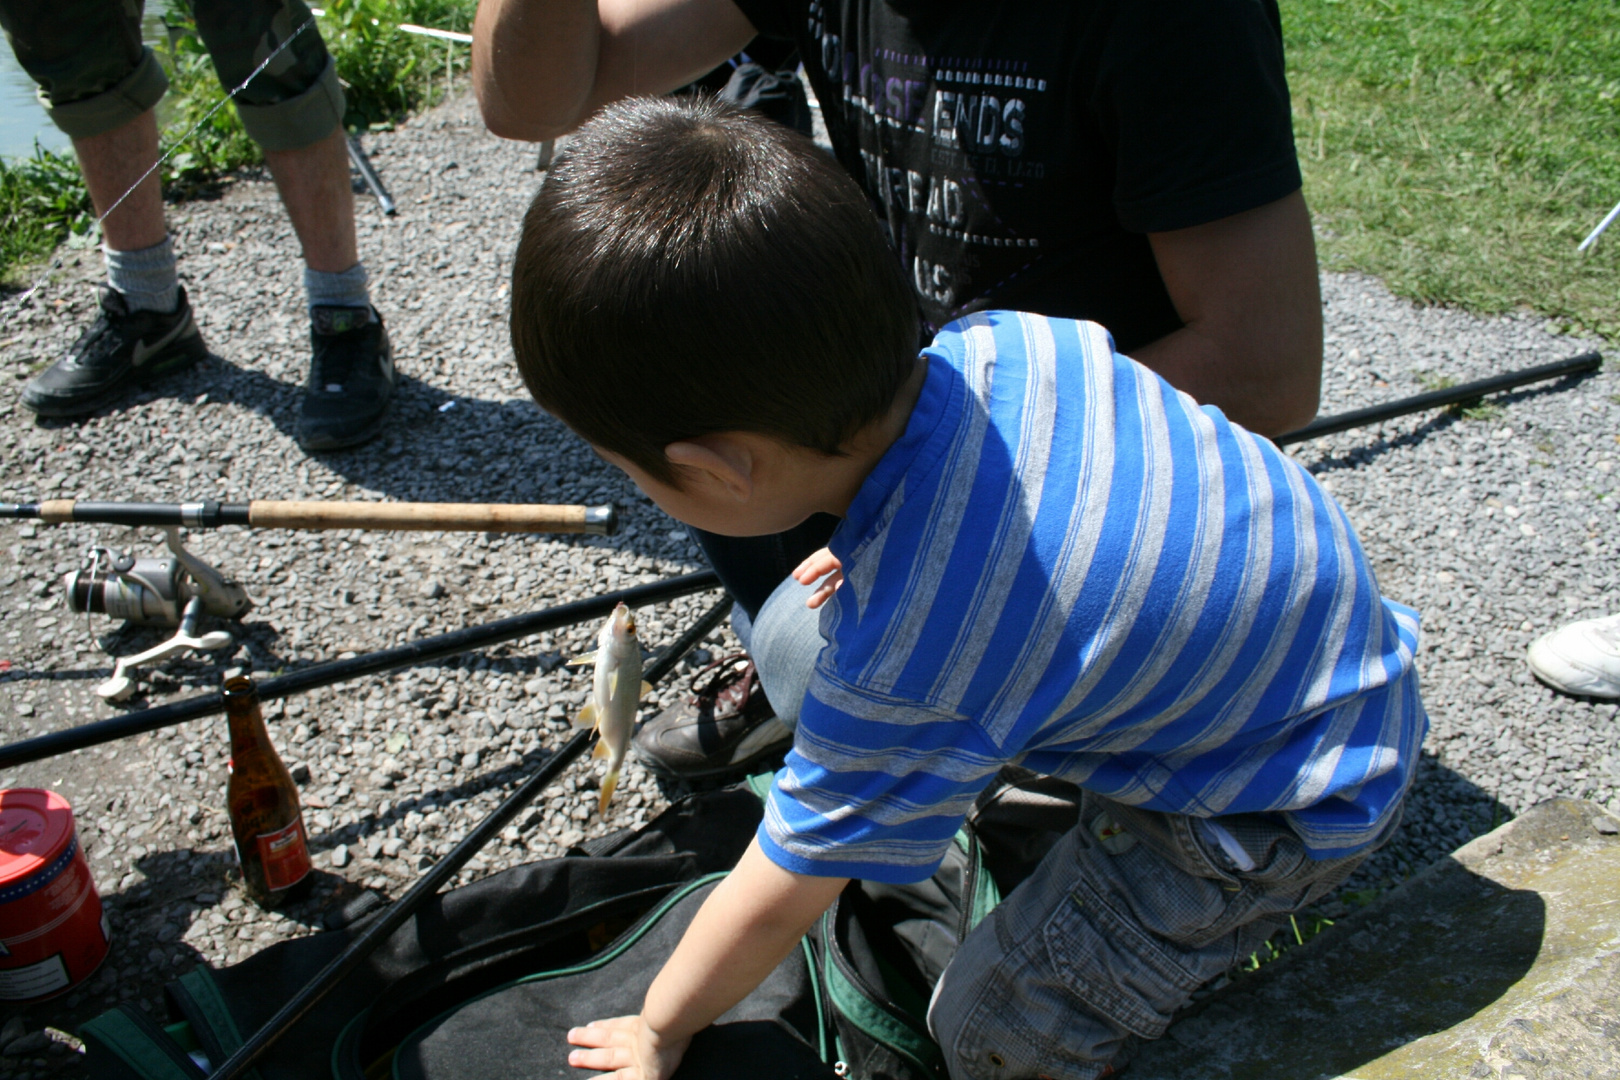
x=746, y=927
x=1246, y=289
x=540, y=67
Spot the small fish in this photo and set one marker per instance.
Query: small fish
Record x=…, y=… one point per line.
x=616, y=692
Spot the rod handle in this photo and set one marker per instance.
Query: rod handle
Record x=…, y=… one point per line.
x=465, y=517
x=56, y=511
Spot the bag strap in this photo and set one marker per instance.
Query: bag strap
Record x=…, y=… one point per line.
x=130, y=1036
x=197, y=997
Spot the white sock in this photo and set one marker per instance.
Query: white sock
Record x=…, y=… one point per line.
x=148, y=279
x=347, y=289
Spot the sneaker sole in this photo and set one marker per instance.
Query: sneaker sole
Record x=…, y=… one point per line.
x=739, y=768
x=364, y=435
x=184, y=353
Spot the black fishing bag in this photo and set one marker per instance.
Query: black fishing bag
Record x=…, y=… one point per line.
x=485, y=980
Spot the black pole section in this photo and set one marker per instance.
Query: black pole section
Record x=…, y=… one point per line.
x=1451, y=395
x=336, y=671
x=368, y=173
x=428, y=885
x=193, y=515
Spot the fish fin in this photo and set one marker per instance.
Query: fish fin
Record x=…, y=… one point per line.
x=609, y=782
x=601, y=749
x=582, y=660
x=613, y=684
x=586, y=717
x=646, y=688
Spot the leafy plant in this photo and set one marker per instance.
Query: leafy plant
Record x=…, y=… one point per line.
x=43, y=202
x=221, y=143
x=386, y=75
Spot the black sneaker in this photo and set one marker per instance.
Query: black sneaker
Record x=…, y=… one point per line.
x=351, y=378
x=726, y=726
x=121, y=348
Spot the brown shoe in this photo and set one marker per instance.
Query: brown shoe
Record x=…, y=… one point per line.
x=726, y=726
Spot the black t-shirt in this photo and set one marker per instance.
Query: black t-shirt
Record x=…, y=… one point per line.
x=1021, y=151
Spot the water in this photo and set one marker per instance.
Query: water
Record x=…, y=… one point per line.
x=22, y=117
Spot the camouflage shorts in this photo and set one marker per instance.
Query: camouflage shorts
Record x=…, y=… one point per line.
x=94, y=73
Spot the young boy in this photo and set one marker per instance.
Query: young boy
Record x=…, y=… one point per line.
x=1047, y=557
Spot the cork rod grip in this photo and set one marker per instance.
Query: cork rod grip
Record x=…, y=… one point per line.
x=56, y=511
x=462, y=517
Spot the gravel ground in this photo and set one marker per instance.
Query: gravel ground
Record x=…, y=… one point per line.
x=1496, y=528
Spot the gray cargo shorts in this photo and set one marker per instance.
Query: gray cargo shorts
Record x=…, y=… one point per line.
x=94, y=74
x=1128, y=915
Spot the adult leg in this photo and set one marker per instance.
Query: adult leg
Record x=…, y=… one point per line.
x=114, y=160
x=1128, y=915
x=100, y=85
x=294, y=110
x=729, y=725
x=725, y=726
x=314, y=184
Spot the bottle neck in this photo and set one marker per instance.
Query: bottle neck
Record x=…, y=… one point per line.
x=246, y=721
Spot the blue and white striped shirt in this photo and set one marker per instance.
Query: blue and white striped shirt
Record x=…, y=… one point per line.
x=1068, y=564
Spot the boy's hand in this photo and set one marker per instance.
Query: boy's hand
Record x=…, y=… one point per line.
x=626, y=1048
x=823, y=564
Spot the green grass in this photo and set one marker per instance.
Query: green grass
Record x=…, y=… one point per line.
x=386, y=76
x=1460, y=149
x=42, y=203
x=1473, y=409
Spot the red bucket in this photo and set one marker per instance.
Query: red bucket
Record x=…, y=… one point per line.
x=52, y=932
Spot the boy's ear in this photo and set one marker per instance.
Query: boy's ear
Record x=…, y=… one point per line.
x=727, y=460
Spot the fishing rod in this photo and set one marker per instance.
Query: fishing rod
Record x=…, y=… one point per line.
x=336, y=671
x=1451, y=395
x=391, y=918
x=160, y=590
x=290, y=514
x=368, y=173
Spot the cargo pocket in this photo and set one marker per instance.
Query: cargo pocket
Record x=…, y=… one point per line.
x=1114, y=966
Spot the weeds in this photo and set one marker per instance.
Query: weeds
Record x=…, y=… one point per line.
x=1475, y=409
x=1298, y=933
x=42, y=203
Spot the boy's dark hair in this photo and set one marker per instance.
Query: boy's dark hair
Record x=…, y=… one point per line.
x=689, y=268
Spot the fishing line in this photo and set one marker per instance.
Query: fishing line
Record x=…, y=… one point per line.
x=16, y=304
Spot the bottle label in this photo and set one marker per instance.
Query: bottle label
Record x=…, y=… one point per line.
x=284, y=855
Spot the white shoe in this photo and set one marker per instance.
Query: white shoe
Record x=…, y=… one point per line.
x=1581, y=658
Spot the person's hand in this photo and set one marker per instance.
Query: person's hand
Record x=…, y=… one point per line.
x=626, y=1049
x=821, y=565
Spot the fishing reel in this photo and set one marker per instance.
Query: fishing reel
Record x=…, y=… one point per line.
x=152, y=591
x=176, y=590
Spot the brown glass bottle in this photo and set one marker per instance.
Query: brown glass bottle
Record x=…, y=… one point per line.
x=266, y=820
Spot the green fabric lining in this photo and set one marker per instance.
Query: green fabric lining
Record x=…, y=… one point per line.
x=139, y=1045
x=878, y=1023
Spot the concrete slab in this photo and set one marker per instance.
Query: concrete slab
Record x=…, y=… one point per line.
x=1500, y=961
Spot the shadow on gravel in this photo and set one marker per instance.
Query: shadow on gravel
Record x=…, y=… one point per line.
x=437, y=446
x=1377, y=448
x=425, y=802
x=1443, y=811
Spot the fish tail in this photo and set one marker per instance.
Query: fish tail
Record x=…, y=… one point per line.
x=609, y=782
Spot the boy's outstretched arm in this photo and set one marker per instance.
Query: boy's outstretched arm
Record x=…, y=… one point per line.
x=751, y=921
